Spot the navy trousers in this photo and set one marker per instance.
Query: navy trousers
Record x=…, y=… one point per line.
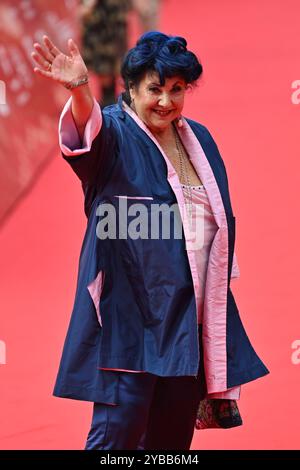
x=153, y=412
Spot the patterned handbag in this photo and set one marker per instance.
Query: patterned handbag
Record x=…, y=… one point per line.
x=218, y=413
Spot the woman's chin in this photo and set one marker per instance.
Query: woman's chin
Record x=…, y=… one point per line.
x=159, y=125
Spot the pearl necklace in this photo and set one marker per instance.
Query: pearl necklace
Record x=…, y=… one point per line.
x=184, y=176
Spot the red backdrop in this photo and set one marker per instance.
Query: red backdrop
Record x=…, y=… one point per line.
x=28, y=120
x=249, y=99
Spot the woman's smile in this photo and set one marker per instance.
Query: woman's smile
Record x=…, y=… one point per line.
x=162, y=113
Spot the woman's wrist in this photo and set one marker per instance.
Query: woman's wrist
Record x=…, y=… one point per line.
x=82, y=80
x=82, y=105
x=82, y=93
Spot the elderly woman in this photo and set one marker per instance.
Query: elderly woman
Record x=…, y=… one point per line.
x=155, y=331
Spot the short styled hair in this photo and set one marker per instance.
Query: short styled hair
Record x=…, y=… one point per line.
x=158, y=52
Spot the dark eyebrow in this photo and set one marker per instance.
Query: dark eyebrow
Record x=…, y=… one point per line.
x=157, y=84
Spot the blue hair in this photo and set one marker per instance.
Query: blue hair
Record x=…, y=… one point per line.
x=164, y=54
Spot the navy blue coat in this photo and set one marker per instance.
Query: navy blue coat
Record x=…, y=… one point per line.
x=134, y=306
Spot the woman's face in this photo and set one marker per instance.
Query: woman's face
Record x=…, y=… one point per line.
x=157, y=106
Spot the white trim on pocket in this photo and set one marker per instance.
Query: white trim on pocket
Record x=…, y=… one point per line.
x=95, y=289
x=135, y=197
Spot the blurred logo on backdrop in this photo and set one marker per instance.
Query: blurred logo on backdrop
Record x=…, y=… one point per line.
x=296, y=94
x=2, y=352
x=296, y=354
x=29, y=105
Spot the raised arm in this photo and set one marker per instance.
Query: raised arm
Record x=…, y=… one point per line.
x=88, y=139
x=71, y=72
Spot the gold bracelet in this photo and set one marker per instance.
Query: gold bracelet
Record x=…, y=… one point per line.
x=73, y=84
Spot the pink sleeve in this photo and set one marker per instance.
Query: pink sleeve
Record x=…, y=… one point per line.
x=233, y=393
x=69, y=140
x=235, y=271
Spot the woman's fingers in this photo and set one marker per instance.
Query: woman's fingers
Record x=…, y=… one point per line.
x=73, y=48
x=44, y=73
x=51, y=47
x=43, y=56
x=43, y=52
x=40, y=60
